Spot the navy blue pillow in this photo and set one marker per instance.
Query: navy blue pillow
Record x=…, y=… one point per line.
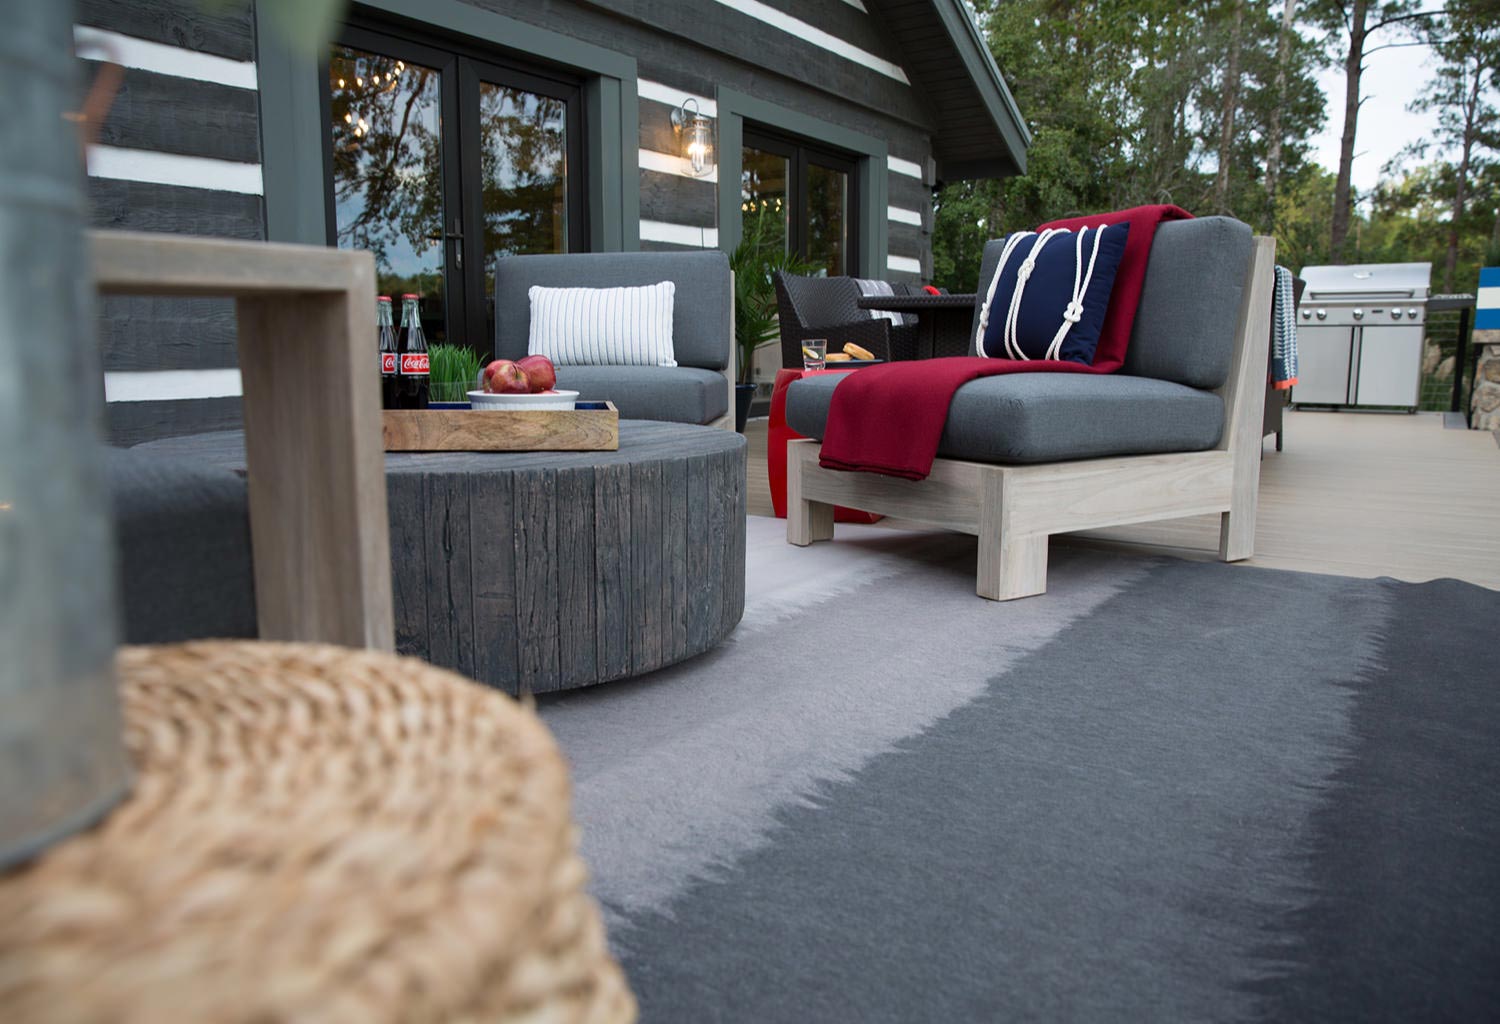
x=1048, y=294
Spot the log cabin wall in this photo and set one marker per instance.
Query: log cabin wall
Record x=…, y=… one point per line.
x=182, y=151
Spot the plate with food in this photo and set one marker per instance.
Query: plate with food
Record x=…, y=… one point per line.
x=852, y=356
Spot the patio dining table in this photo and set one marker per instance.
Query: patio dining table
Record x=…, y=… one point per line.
x=943, y=321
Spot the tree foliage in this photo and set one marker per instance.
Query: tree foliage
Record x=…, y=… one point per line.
x=1213, y=107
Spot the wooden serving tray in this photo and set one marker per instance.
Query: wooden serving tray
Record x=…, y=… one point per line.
x=591, y=427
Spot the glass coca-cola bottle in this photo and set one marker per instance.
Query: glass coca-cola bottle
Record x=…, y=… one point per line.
x=412, y=361
x=386, y=330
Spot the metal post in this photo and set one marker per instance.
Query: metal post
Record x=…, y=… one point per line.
x=62, y=755
x=1460, y=357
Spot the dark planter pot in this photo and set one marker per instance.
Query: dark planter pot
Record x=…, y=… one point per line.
x=743, y=395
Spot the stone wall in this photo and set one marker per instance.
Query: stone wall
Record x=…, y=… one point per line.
x=1486, y=402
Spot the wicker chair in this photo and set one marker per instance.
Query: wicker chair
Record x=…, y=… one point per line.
x=828, y=307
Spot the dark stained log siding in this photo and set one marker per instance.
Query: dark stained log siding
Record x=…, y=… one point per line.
x=677, y=200
x=223, y=29
x=166, y=114
x=163, y=113
x=146, y=206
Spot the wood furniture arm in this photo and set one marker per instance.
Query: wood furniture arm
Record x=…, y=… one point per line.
x=316, y=469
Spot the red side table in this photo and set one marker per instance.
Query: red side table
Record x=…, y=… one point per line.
x=778, y=434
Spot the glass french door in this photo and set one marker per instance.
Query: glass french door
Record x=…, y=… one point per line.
x=798, y=198
x=441, y=162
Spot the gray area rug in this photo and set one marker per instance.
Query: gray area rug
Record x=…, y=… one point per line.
x=1164, y=790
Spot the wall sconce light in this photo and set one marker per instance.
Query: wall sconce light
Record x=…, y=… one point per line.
x=697, y=137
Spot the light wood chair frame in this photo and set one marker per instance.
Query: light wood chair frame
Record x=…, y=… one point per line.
x=1014, y=509
x=311, y=400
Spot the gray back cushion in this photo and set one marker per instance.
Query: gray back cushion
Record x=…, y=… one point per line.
x=1190, y=302
x=701, y=328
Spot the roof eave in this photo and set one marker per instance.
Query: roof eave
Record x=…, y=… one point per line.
x=993, y=92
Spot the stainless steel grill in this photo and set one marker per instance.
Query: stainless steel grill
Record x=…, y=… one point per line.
x=1359, y=335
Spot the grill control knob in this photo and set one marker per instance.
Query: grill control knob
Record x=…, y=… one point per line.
x=1322, y=314
x=1395, y=313
x=1359, y=314
x=1411, y=314
x=1307, y=314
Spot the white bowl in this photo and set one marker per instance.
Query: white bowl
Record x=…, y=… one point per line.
x=546, y=400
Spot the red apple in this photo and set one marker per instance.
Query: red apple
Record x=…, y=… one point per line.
x=539, y=371
x=503, y=377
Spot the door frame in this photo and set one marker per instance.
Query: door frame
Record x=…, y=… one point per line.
x=463, y=70
x=292, y=121
x=871, y=168
x=801, y=154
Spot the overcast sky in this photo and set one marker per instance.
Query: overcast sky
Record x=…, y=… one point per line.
x=1391, y=79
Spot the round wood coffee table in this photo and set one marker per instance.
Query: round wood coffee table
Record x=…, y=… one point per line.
x=544, y=571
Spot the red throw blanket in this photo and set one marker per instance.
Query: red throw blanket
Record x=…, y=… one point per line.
x=888, y=419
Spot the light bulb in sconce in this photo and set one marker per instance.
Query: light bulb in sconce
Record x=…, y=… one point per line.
x=696, y=130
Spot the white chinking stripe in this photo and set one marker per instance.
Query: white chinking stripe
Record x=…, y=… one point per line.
x=816, y=36
x=901, y=216
x=666, y=163
x=163, y=59
x=679, y=234
x=649, y=90
x=906, y=167
x=171, y=385
x=903, y=264
x=174, y=169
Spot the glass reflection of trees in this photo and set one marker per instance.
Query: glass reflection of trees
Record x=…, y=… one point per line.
x=763, y=187
x=387, y=177
x=827, y=217
x=523, y=167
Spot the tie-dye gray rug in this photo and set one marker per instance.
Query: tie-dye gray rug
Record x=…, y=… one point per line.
x=1165, y=790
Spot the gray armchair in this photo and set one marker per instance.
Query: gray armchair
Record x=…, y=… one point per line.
x=698, y=389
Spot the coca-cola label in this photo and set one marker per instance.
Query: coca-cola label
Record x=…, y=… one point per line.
x=414, y=364
x=387, y=363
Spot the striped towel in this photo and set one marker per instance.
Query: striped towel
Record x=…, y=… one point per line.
x=1283, y=332
x=875, y=287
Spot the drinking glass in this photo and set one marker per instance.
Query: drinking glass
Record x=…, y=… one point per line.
x=814, y=353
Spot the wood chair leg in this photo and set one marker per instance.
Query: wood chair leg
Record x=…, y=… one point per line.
x=806, y=521
x=1237, y=534
x=1010, y=566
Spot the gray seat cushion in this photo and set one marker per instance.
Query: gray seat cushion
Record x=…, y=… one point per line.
x=681, y=394
x=701, y=328
x=1184, y=326
x=1049, y=417
x=183, y=534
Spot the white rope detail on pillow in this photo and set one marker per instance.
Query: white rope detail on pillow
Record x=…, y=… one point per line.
x=989, y=296
x=1072, y=313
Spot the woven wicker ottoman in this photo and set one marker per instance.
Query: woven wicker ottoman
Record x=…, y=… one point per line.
x=315, y=834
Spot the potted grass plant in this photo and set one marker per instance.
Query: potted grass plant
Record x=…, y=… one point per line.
x=761, y=253
x=454, y=369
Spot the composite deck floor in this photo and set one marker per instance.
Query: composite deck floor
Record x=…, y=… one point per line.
x=1351, y=494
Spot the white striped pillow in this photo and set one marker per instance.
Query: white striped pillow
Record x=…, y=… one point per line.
x=603, y=326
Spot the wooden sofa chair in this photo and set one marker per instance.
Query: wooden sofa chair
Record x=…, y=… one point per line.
x=1014, y=505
